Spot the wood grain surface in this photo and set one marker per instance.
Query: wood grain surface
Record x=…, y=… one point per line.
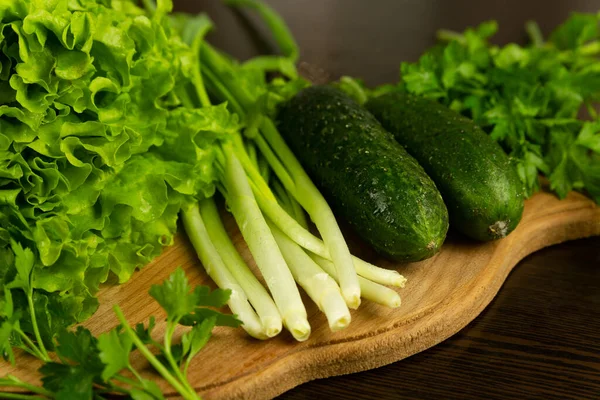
x=443, y=295
x=538, y=339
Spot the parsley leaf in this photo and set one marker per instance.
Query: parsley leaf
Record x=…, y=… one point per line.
x=145, y=333
x=67, y=382
x=79, y=347
x=89, y=367
x=175, y=295
x=212, y=298
x=194, y=340
x=114, y=350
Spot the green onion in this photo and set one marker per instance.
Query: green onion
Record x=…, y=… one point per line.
x=262, y=245
x=215, y=268
x=256, y=293
x=370, y=290
x=321, y=288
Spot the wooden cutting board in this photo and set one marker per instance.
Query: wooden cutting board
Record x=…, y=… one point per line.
x=443, y=294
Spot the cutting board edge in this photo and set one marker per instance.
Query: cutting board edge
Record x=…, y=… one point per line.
x=324, y=361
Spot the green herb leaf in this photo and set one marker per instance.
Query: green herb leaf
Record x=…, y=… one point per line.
x=145, y=333
x=67, y=382
x=212, y=298
x=148, y=393
x=175, y=295
x=576, y=31
x=194, y=340
x=80, y=347
x=114, y=348
x=200, y=314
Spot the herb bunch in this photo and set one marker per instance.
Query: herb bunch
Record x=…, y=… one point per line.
x=86, y=367
x=532, y=99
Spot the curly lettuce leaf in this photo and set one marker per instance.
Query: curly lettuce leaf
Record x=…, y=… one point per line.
x=97, y=154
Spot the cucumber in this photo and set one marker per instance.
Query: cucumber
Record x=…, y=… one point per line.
x=480, y=186
x=366, y=176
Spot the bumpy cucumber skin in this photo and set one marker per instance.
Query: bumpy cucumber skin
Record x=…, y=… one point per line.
x=479, y=185
x=366, y=176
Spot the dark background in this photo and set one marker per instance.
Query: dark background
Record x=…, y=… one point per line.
x=369, y=38
x=540, y=337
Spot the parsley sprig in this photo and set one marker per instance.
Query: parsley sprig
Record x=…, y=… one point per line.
x=88, y=367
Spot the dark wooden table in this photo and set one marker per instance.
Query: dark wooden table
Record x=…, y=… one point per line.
x=540, y=338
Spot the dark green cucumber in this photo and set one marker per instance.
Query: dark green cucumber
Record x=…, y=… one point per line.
x=478, y=183
x=366, y=176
